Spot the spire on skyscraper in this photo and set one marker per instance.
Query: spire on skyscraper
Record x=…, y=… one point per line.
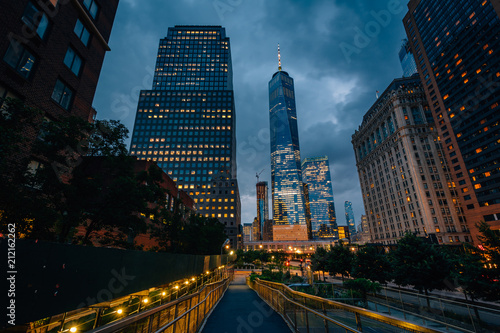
x=279, y=58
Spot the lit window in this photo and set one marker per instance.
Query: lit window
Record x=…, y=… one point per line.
x=62, y=95
x=19, y=58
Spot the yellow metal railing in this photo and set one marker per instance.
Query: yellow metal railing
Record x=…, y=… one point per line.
x=185, y=315
x=307, y=313
x=92, y=317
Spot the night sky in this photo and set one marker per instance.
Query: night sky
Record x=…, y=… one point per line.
x=339, y=52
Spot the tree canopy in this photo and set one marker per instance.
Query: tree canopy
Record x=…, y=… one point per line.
x=57, y=175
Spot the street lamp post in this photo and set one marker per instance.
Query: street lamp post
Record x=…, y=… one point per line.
x=222, y=248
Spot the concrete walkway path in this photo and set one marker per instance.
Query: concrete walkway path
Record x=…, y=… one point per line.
x=241, y=310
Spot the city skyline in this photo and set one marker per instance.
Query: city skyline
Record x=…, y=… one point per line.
x=335, y=90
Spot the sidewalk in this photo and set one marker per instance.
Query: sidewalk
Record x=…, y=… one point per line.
x=241, y=310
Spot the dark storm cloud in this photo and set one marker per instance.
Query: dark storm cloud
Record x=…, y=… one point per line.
x=333, y=87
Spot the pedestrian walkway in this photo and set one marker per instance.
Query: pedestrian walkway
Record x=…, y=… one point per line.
x=241, y=310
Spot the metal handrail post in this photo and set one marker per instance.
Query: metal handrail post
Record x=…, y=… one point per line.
x=197, y=314
x=358, y=322
x=307, y=320
x=324, y=320
x=295, y=317
x=150, y=323
x=189, y=315
x=471, y=319
x=402, y=304
x=175, y=316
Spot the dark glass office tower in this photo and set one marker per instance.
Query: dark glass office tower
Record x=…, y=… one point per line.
x=349, y=217
x=316, y=174
x=262, y=205
x=456, y=44
x=186, y=123
x=407, y=60
x=289, y=198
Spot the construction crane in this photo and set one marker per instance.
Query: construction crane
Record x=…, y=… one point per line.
x=258, y=174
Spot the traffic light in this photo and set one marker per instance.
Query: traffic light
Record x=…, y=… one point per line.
x=287, y=263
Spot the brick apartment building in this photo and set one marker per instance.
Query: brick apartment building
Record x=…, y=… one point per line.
x=52, y=51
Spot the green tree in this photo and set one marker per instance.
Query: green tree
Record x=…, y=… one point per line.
x=362, y=287
x=42, y=156
x=18, y=126
x=107, y=194
x=339, y=260
x=477, y=269
x=319, y=260
x=490, y=241
x=202, y=235
x=472, y=275
x=420, y=264
x=107, y=138
x=370, y=264
x=264, y=256
x=193, y=235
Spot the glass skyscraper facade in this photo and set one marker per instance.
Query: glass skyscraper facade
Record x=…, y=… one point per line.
x=349, y=217
x=186, y=122
x=456, y=44
x=288, y=190
x=407, y=60
x=316, y=174
x=262, y=205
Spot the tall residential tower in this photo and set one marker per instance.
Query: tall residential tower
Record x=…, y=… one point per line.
x=186, y=123
x=457, y=48
x=291, y=221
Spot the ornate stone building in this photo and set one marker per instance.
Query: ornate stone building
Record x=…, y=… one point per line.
x=404, y=177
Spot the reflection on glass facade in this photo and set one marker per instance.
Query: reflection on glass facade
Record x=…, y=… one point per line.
x=289, y=200
x=262, y=205
x=186, y=123
x=349, y=217
x=316, y=174
x=407, y=60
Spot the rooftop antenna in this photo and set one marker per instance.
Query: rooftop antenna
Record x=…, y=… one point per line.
x=279, y=57
x=258, y=174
